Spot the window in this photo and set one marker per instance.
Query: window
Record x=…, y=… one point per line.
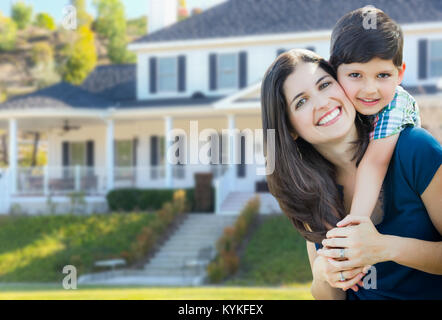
x=124, y=153
x=435, y=58
x=227, y=71
x=78, y=154
x=167, y=75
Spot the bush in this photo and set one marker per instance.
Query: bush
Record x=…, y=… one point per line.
x=227, y=260
x=81, y=58
x=8, y=33
x=42, y=53
x=149, y=199
x=21, y=14
x=44, y=20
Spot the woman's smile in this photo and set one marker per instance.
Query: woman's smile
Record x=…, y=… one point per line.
x=330, y=117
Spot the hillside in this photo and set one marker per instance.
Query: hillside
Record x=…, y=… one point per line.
x=20, y=75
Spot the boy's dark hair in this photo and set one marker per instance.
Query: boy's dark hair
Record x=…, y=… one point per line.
x=354, y=40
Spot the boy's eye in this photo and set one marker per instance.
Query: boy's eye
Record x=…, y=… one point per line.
x=384, y=75
x=324, y=85
x=300, y=102
x=354, y=75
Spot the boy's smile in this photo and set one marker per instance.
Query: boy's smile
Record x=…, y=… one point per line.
x=371, y=85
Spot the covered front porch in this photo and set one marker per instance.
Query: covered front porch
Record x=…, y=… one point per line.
x=93, y=152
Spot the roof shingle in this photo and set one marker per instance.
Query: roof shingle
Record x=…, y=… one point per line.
x=259, y=17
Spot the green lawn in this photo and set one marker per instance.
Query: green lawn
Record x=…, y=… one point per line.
x=55, y=292
x=36, y=248
x=275, y=255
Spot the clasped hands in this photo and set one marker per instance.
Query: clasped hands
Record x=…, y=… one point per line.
x=362, y=245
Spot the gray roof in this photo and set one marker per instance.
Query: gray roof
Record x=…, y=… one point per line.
x=60, y=96
x=258, y=17
x=169, y=102
x=106, y=86
x=116, y=82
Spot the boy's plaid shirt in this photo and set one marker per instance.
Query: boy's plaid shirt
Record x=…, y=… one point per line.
x=400, y=112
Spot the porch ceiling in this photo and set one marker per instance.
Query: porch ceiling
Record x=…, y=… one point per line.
x=45, y=124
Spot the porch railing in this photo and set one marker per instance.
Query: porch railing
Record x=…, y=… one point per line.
x=50, y=180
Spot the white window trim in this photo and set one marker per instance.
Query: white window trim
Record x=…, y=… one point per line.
x=429, y=60
x=218, y=73
x=158, y=75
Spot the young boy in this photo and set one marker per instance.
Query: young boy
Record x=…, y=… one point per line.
x=366, y=50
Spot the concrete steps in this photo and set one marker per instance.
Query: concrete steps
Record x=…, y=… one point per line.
x=167, y=266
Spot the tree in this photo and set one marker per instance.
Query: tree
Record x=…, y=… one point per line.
x=83, y=18
x=82, y=57
x=8, y=33
x=111, y=24
x=21, y=14
x=43, y=69
x=44, y=20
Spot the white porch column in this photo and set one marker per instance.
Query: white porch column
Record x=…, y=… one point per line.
x=232, y=149
x=110, y=154
x=13, y=154
x=168, y=126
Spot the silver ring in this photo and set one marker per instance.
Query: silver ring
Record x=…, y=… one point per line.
x=342, y=253
x=342, y=276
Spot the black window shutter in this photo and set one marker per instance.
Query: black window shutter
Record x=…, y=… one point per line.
x=154, y=150
x=311, y=49
x=65, y=154
x=181, y=73
x=241, y=168
x=212, y=71
x=279, y=51
x=90, y=153
x=422, y=57
x=242, y=69
x=134, y=151
x=153, y=75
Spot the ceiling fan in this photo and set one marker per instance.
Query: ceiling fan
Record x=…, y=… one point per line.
x=67, y=127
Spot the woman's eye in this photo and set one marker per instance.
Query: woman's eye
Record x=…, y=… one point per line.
x=300, y=103
x=384, y=75
x=354, y=75
x=324, y=85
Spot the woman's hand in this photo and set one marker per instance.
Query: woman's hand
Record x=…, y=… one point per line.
x=324, y=271
x=362, y=243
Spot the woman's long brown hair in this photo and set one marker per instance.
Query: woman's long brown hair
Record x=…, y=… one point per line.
x=303, y=181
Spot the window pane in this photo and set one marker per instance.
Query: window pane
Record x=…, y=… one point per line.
x=436, y=68
x=227, y=61
x=228, y=71
x=124, y=153
x=167, y=74
x=78, y=154
x=436, y=50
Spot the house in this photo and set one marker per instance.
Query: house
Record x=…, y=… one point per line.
x=201, y=74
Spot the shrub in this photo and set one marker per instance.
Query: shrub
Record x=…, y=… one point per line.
x=21, y=14
x=8, y=33
x=149, y=199
x=227, y=260
x=81, y=58
x=44, y=20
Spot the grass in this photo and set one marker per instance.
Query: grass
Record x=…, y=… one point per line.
x=36, y=248
x=275, y=255
x=54, y=292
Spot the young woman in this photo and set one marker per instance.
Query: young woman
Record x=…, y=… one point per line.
x=319, y=142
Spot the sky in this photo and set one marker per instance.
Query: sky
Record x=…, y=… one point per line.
x=134, y=8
